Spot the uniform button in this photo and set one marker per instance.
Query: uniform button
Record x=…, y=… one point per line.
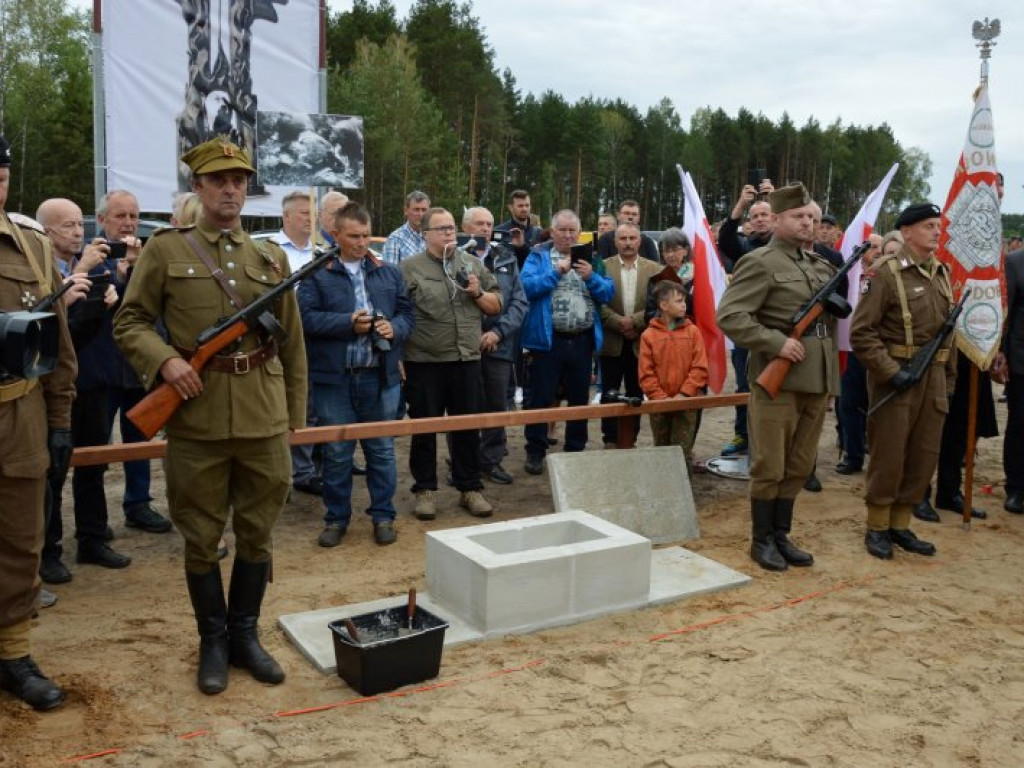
x=263, y=277
x=229, y=247
x=231, y=282
x=191, y=271
x=231, y=265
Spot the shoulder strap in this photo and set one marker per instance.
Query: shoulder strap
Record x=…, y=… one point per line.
x=42, y=273
x=216, y=271
x=908, y=320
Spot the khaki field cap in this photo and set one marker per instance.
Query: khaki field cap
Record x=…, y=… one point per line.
x=789, y=197
x=217, y=155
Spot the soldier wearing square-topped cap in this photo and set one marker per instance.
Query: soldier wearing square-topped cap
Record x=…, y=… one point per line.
x=227, y=446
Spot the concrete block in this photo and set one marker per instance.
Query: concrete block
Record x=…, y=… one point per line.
x=644, y=490
x=520, y=575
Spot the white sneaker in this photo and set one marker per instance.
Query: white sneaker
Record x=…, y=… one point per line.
x=517, y=398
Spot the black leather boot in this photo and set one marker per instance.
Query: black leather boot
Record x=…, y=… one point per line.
x=783, y=525
x=763, y=549
x=23, y=678
x=207, y=593
x=248, y=585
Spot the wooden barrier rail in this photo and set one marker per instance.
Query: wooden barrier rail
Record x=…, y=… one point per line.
x=155, y=449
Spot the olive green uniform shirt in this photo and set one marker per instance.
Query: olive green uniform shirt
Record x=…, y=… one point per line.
x=768, y=288
x=448, y=320
x=170, y=282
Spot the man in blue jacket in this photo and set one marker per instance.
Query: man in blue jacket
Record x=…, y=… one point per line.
x=356, y=314
x=561, y=332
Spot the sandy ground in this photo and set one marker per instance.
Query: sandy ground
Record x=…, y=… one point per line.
x=854, y=662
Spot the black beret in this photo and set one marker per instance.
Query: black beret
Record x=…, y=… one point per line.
x=5, y=153
x=828, y=218
x=912, y=214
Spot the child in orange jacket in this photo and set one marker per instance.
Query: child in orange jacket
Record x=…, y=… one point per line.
x=673, y=363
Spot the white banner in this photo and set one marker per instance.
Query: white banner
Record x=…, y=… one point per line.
x=179, y=72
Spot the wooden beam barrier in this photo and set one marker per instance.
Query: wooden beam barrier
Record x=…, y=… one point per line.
x=155, y=449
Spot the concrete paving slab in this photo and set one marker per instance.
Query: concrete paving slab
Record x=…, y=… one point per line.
x=678, y=573
x=644, y=490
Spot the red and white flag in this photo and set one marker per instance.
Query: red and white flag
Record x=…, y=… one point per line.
x=862, y=225
x=972, y=238
x=709, y=281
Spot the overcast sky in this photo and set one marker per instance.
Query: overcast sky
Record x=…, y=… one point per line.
x=910, y=63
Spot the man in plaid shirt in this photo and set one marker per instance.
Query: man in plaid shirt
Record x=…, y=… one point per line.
x=407, y=240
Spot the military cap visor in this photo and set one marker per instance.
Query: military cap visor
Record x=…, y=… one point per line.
x=918, y=212
x=217, y=155
x=789, y=197
x=5, y=153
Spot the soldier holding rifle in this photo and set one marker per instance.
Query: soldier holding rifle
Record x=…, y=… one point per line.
x=903, y=306
x=227, y=447
x=770, y=286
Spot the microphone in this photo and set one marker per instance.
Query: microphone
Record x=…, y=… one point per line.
x=611, y=396
x=470, y=244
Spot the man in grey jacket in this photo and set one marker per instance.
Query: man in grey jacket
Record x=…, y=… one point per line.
x=498, y=337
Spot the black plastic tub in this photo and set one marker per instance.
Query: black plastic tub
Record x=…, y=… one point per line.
x=384, y=659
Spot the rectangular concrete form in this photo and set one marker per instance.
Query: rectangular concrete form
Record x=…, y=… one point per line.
x=644, y=490
x=520, y=575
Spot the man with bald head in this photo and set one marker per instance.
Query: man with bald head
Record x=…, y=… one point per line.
x=767, y=290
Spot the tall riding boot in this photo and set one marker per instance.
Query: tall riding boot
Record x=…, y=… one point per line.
x=207, y=593
x=248, y=585
x=763, y=549
x=783, y=525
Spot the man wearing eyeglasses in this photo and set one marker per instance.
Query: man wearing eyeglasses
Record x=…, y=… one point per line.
x=451, y=292
x=561, y=331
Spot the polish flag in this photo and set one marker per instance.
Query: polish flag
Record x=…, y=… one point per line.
x=709, y=281
x=862, y=225
x=971, y=239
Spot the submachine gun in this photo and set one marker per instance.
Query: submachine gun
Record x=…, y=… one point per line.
x=917, y=366
x=152, y=412
x=827, y=299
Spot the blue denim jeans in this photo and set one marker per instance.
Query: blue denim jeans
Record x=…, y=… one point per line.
x=362, y=397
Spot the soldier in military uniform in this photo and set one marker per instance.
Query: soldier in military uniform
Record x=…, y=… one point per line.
x=902, y=306
x=769, y=286
x=228, y=444
x=35, y=429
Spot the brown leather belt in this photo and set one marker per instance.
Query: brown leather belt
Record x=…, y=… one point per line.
x=903, y=352
x=16, y=389
x=818, y=331
x=240, y=363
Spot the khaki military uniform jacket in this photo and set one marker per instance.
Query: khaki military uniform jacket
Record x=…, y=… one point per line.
x=768, y=288
x=613, y=311
x=24, y=421
x=170, y=282
x=878, y=334
x=448, y=321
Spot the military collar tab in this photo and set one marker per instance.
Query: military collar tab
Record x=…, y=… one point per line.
x=213, y=234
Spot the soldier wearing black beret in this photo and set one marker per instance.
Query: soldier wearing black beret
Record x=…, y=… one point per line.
x=901, y=308
x=35, y=425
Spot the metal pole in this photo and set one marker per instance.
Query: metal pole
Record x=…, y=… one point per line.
x=99, y=106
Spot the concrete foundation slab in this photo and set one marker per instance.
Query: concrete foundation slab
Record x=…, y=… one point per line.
x=674, y=574
x=644, y=490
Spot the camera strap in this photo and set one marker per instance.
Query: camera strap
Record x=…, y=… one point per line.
x=216, y=271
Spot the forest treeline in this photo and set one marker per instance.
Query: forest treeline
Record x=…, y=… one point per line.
x=439, y=116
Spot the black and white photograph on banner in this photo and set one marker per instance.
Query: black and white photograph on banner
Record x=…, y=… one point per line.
x=300, y=149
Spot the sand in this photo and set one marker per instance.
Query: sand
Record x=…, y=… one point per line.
x=853, y=662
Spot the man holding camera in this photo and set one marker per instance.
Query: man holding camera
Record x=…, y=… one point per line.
x=451, y=292
x=356, y=315
x=62, y=220
x=35, y=421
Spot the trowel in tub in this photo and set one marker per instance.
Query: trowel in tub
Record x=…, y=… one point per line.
x=410, y=611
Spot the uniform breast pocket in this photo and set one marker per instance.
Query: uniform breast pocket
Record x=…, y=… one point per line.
x=27, y=286
x=192, y=286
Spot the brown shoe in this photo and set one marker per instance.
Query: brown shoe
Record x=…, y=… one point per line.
x=475, y=503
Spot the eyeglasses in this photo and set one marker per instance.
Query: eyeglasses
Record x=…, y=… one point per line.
x=445, y=230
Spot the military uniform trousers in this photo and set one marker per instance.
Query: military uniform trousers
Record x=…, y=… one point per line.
x=22, y=488
x=207, y=479
x=903, y=438
x=784, y=436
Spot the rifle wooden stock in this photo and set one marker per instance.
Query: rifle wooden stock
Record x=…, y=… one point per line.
x=153, y=411
x=774, y=374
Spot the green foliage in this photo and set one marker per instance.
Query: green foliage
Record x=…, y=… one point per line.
x=46, y=102
x=364, y=22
